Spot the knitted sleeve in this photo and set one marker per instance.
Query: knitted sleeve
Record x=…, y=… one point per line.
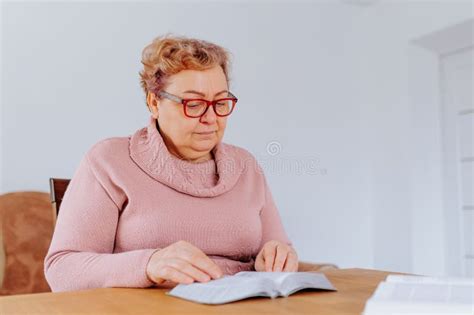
x=272, y=227
x=81, y=252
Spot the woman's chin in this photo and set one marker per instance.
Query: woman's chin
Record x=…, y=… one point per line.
x=204, y=145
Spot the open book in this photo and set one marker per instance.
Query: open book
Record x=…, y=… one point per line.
x=422, y=295
x=247, y=284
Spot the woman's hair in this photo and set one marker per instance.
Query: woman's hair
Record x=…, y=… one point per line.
x=168, y=55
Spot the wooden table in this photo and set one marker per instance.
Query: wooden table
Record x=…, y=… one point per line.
x=354, y=286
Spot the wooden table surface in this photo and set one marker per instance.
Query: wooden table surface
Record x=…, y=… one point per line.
x=354, y=286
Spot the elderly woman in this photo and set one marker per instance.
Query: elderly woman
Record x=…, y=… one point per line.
x=171, y=203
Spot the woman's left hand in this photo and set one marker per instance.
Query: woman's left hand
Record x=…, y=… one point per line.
x=276, y=256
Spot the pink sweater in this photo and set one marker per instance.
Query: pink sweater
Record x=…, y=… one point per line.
x=130, y=197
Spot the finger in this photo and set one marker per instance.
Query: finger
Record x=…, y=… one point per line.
x=188, y=269
x=291, y=264
x=269, y=256
x=208, y=266
x=259, y=262
x=200, y=260
x=280, y=258
x=171, y=274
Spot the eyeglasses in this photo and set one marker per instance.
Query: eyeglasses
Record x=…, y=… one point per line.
x=196, y=107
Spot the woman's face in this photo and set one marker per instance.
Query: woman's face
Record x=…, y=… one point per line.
x=191, y=138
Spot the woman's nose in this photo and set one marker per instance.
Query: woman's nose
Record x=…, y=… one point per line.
x=209, y=116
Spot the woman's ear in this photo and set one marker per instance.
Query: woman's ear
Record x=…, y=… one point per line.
x=152, y=103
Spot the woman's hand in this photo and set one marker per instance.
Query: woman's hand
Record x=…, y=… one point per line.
x=181, y=262
x=276, y=256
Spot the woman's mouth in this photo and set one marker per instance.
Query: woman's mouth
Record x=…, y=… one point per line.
x=205, y=133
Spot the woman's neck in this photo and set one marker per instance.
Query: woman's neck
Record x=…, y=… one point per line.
x=175, y=152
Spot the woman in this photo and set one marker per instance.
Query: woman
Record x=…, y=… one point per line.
x=171, y=203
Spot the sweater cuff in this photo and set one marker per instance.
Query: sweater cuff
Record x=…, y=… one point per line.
x=147, y=282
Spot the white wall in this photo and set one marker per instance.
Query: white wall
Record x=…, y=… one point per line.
x=325, y=81
x=404, y=111
x=73, y=80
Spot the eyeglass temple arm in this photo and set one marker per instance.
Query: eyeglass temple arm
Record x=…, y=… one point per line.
x=180, y=100
x=170, y=96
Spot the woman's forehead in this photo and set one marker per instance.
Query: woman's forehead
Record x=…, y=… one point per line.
x=210, y=81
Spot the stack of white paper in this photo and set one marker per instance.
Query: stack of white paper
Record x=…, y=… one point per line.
x=422, y=295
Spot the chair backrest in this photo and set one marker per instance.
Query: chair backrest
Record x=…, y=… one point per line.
x=26, y=229
x=57, y=188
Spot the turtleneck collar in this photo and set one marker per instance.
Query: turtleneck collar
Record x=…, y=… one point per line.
x=148, y=150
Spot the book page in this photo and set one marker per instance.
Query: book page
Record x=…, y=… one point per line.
x=296, y=281
x=227, y=289
x=276, y=277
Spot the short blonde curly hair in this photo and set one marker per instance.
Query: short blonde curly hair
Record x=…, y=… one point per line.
x=168, y=55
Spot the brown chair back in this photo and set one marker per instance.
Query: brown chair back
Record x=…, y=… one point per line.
x=26, y=227
x=57, y=188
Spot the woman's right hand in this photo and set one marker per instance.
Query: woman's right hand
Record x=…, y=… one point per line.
x=181, y=262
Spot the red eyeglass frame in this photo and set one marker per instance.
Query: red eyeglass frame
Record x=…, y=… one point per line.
x=184, y=102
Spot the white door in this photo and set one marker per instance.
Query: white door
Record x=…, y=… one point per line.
x=458, y=143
